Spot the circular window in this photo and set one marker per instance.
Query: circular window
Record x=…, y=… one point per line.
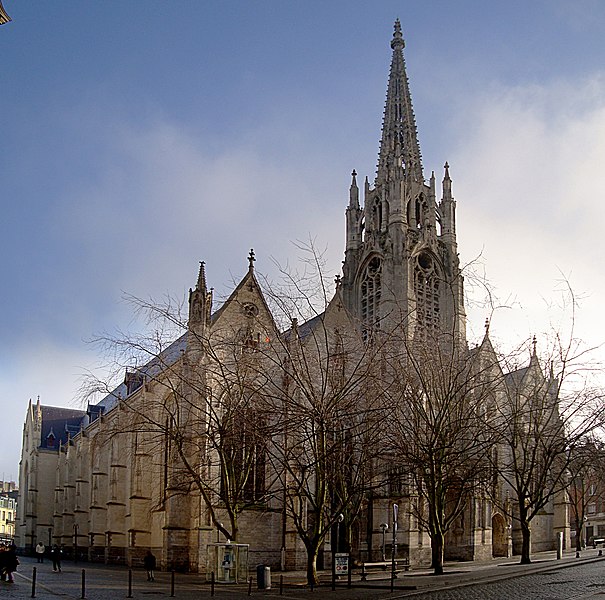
x=250, y=309
x=425, y=261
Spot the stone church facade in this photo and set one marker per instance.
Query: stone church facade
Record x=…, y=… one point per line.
x=105, y=489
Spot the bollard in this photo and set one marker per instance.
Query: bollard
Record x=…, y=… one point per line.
x=34, y=583
x=172, y=584
x=250, y=587
x=83, y=585
x=281, y=585
x=212, y=583
x=129, y=583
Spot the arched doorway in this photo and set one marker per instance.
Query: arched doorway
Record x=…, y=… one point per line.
x=499, y=536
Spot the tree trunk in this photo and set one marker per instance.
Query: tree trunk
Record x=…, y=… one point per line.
x=312, y=566
x=578, y=536
x=525, y=547
x=437, y=552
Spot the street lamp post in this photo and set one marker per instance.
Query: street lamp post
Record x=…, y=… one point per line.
x=339, y=519
x=394, y=548
x=384, y=527
x=335, y=547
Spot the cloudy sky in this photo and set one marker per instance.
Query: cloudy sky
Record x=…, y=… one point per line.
x=138, y=138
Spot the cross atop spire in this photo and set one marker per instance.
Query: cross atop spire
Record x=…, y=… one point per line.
x=399, y=145
x=251, y=260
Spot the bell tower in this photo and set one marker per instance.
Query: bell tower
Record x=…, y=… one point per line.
x=401, y=266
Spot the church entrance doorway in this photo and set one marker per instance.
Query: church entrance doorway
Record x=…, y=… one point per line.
x=499, y=536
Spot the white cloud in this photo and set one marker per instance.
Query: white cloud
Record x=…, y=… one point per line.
x=41, y=368
x=530, y=188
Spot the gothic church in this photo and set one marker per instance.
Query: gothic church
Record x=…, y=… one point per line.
x=105, y=495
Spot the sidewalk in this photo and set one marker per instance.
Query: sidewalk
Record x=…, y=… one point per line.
x=103, y=582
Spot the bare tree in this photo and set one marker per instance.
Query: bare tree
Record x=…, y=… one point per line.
x=586, y=484
x=440, y=394
x=195, y=403
x=326, y=419
x=542, y=418
x=241, y=413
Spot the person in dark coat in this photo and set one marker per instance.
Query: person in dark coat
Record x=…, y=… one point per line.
x=10, y=562
x=3, y=554
x=55, y=555
x=149, y=564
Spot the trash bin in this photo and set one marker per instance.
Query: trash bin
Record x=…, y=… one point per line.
x=263, y=577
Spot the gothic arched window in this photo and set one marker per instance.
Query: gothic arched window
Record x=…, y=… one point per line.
x=427, y=289
x=371, y=285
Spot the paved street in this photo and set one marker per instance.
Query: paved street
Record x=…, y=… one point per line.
x=577, y=582
x=504, y=579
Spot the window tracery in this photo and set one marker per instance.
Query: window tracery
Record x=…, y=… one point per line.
x=427, y=290
x=371, y=291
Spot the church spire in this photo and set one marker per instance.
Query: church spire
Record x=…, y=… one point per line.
x=399, y=145
x=201, y=278
x=200, y=300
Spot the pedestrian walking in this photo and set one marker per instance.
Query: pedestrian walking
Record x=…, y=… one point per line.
x=149, y=564
x=55, y=555
x=3, y=555
x=10, y=562
x=40, y=550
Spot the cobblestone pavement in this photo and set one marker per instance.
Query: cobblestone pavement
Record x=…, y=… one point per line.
x=579, y=582
x=567, y=579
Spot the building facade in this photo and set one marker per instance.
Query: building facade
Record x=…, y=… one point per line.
x=8, y=511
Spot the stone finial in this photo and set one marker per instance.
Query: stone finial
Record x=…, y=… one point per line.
x=251, y=259
x=397, y=36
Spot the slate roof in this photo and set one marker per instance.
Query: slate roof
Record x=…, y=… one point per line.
x=152, y=369
x=62, y=422
x=514, y=379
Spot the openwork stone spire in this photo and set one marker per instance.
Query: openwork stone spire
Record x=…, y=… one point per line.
x=399, y=144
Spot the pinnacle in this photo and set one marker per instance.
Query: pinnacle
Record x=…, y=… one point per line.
x=397, y=41
x=201, y=278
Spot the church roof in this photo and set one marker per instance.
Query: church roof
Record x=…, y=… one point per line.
x=58, y=424
x=514, y=379
x=152, y=369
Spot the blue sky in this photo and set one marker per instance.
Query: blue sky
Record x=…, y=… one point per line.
x=140, y=137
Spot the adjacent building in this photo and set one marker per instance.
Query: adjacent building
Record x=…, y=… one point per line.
x=8, y=511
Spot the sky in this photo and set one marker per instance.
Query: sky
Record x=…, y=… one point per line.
x=139, y=138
